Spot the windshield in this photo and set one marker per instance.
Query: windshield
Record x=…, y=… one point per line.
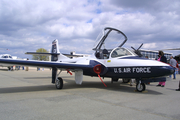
x=5, y=57
x=118, y=52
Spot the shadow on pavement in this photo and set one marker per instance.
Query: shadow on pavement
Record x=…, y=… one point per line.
x=70, y=84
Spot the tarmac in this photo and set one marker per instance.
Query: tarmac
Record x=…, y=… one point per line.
x=29, y=95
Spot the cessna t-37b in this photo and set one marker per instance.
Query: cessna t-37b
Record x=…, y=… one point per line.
x=107, y=61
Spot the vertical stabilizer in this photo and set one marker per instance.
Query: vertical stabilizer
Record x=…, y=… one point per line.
x=55, y=50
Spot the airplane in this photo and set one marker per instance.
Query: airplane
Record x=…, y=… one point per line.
x=6, y=56
x=115, y=63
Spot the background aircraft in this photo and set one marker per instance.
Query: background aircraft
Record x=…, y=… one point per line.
x=108, y=60
x=6, y=56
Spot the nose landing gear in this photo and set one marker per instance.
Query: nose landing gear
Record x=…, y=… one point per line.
x=140, y=86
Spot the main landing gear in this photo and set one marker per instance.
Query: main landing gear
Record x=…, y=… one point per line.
x=140, y=86
x=59, y=83
x=126, y=80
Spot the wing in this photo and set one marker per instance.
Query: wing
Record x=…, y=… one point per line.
x=170, y=49
x=84, y=65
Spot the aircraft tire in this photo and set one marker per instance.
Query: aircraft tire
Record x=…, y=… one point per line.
x=114, y=80
x=140, y=87
x=126, y=80
x=59, y=83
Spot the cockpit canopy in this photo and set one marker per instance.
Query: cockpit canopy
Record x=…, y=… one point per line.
x=117, y=52
x=109, y=44
x=6, y=56
x=109, y=39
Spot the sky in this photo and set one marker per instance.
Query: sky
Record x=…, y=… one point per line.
x=27, y=25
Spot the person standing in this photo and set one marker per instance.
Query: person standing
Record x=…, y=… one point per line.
x=162, y=58
x=147, y=58
x=179, y=87
x=173, y=63
x=27, y=68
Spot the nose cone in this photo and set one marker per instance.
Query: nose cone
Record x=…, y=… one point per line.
x=168, y=70
x=172, y=70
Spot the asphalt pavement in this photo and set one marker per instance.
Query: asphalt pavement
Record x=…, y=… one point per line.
x=29, y=95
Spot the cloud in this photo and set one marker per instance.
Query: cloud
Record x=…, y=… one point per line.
x=150, y=46
x=29, y=25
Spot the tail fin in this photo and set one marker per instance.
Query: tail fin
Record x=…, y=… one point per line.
x=55, y=49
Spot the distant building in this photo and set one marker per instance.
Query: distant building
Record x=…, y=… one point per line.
x=154, y=54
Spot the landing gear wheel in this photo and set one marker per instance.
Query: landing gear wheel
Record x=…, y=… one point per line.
x=59, y=83
x=140, y=87
x=114, y=80
x=125, y=80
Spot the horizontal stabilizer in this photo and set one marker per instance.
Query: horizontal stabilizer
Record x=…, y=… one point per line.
x=40, y=53
x=48, y=54
x=69, y=55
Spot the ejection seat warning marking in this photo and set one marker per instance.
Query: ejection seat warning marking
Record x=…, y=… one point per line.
x=133, y=70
